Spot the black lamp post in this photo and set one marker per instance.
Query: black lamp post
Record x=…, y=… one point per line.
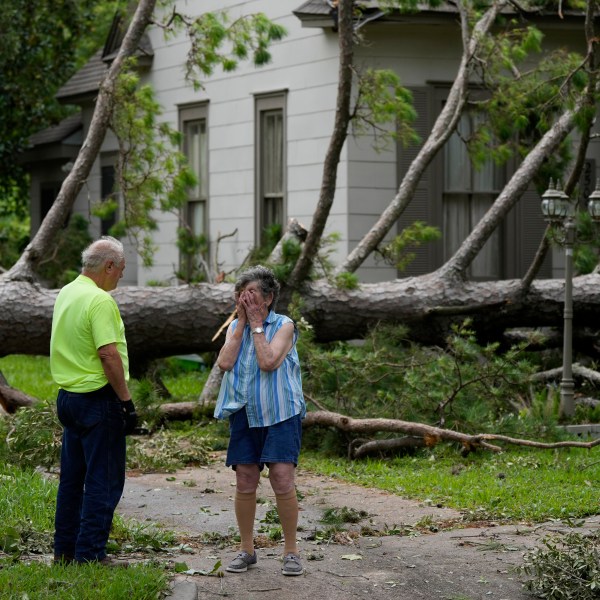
x=560, y=213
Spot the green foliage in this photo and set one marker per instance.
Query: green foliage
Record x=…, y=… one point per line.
x=566, y=568
x=14, y=236
x=13, y=192
x=346, y=281
x=152, y=173
x=43, y=43
x=338, y=516
x=167, y=451
x=269, y=238
x=397, y=252
x=290, y=253
x=34, y=436
x=194, y=252
x=382, y=101
x=64, y=264
x=216, y=41
x=132, y=536
x=464, y=385
x=522, y=108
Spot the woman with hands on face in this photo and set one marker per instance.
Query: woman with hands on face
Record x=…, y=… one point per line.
x=261, y=395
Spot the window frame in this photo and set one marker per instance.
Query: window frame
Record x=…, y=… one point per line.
x=109, y=161
x=187, y=115
x=268, y=103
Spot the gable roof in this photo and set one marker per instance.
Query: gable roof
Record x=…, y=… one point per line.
x=86, y=82
x=55, y=144
x=323, y=13
x=58, y=133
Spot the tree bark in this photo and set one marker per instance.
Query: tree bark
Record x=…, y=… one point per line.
x=12, y=399
x=163, y=322
x=430, y=435
x=332, y=158
x=42, y=243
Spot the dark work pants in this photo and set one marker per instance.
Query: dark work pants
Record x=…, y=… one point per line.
x=92, y=472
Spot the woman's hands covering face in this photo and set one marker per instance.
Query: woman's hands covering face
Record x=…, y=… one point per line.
x=251, y=306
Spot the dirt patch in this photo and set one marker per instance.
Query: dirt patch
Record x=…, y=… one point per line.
x=429, y=554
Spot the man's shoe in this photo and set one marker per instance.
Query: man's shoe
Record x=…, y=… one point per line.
x=292, y=565
x=242, y=562
x=61, y=559
x=107, y=561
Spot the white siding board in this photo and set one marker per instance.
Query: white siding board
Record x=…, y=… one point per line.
x=306, y=152
x=242, y=183
x=369, y=201
x=223, y=159
x=371, y=175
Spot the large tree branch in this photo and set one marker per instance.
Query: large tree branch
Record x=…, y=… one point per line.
x=332, y=158
x=444, y=125
x=519, y=182
x=24, y=268
x=456, y=266
x=430, y=435
x=12, y=399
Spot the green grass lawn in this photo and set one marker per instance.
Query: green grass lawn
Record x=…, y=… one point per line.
x=518, y=484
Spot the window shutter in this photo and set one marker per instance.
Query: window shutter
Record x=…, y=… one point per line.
x=420, y=208
x=529, y=228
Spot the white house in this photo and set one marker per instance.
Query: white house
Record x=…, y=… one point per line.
x=257, y=138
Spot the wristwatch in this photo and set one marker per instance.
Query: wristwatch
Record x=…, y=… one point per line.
x=258, y=330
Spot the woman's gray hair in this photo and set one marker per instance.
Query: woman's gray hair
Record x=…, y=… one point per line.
x=106, y=248
x=266, y=279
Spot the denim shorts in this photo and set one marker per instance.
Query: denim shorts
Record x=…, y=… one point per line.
x=279, y=443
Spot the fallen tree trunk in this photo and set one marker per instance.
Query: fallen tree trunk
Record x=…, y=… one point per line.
x=180, y=320
x=578, y=371
x=361, y=448
x=429, y=434
x=12, y=399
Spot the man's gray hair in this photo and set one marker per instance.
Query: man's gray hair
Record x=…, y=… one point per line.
x=96, y=255
x=266, y=279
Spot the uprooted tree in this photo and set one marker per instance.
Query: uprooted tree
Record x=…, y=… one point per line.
x=162, y=322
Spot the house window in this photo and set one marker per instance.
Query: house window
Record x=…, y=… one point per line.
x=193, y=121
x=270, y=168
x=194, y=215
x=48, y=193
x=468, y=193
x=108, y=192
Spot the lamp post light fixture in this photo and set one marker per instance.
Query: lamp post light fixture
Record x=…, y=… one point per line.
x=559, y=212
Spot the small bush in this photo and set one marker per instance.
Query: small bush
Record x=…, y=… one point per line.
x=566, y=568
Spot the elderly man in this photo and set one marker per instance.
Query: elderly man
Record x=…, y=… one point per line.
x=88, y=360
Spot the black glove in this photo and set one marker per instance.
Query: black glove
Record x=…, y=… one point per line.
x=129, y=416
